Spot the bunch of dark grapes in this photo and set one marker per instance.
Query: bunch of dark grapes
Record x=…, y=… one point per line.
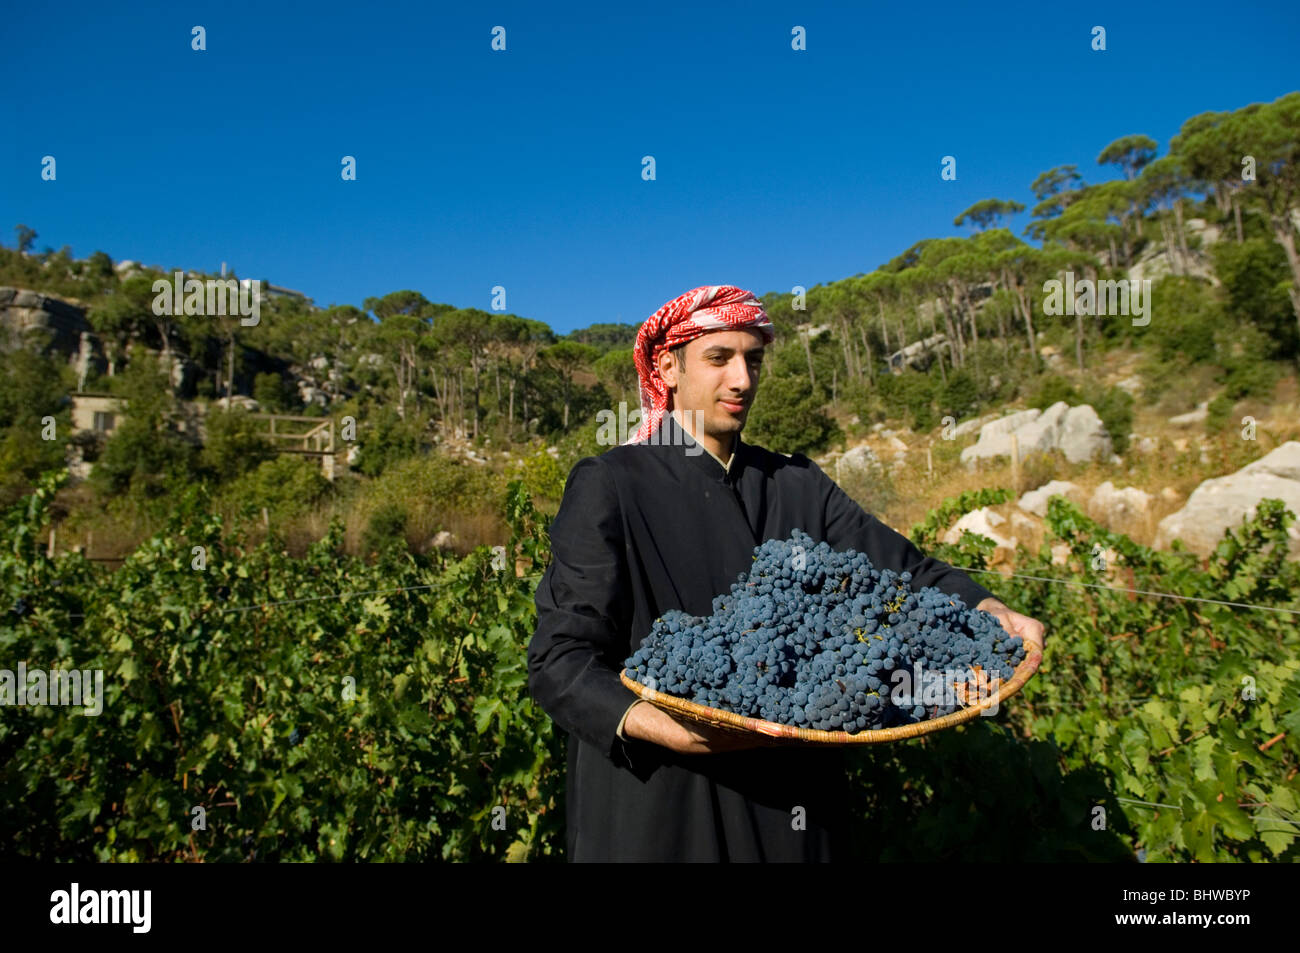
x=822, y=639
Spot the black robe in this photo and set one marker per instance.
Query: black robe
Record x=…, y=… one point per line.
x=645, y=528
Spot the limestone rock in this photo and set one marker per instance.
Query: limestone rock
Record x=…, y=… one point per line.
x=981, y=522
x=1083, y=436
x=1132, y=385
x=971, y=426
x=860, y=461
x=1192, y=417
x=1076, y=431
x=1224, y=502
x=1119, y=509
x=1035, y=501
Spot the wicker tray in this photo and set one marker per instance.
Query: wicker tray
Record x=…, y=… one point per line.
x=726, y=719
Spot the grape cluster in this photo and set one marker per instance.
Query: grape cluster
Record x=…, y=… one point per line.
x=817, y=638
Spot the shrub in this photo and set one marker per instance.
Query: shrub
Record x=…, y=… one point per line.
x=1184, y=317
x=286, y=486
x=1052, y=389
x=543, y=472
x=911, y=393
x=1218, y=413
x=32, y=387
x=145, y=455
x=233, y=445
x=437, y=492
x=1255, y=277
x=386, y=527
x=385, y=439
x=1114, y=406
x=1247, y=371
x=960, y=396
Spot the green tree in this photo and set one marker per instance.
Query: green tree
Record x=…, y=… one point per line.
x=988, y=213
x=1055, y=189
x=100, y=265
x=121, y=317
x=1255, y=279
x=272, y=391
x=606, y=336
x=1186, y=316
x=26, y=237
x=914, y=393
x=960, y=396
x=1210, y=160
x=1161, y=187
x=233, y=445
x=146, y=455
x=567, y=359
x=32, y=387
x=287, y=485
x=386, y=439
x=465, y=337
x=405, y=321
x=1130, y=153
x=788, y=416
x=616, y=369
x=1220, y=147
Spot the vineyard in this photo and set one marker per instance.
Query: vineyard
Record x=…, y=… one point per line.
x=260, y=707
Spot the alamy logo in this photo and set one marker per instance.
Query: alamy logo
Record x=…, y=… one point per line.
x=950, y=688
x=56, y=687
x=215, y=296
x=1121, y=296
x=614, y=431
x=102, y=906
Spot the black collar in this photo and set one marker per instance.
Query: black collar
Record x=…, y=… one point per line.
x=676, y=440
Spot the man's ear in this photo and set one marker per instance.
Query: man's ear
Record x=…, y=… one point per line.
x=668, y=368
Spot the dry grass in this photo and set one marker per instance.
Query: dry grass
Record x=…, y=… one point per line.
x=107, y=532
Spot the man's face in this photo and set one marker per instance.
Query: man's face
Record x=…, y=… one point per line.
x=718, y=382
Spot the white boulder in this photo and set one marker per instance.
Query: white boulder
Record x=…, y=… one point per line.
x=1035, y=501
x=1224, y=502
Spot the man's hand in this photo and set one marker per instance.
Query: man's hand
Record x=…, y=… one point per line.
x=1031, y=630
x=650, y=723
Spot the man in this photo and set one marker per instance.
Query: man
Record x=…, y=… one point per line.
x=668, y=521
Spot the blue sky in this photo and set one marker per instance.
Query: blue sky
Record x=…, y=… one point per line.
x=522, y=168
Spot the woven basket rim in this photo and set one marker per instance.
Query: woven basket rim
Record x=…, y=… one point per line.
x=727, y=719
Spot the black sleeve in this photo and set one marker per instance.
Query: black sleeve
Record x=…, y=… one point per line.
x=849, y=526
x=583, y=605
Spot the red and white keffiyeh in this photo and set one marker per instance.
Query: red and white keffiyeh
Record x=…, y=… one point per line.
x=686, y=317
